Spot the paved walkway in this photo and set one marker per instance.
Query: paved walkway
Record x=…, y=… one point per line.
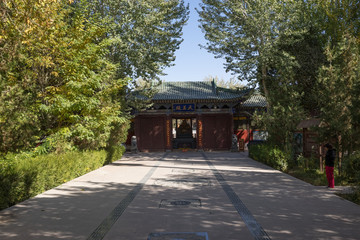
x=192, y=195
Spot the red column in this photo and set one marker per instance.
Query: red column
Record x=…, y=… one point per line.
x=168, y=144
x=199, y=132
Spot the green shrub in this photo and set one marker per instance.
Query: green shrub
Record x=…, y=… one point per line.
x=259, y=152
x=351, y=168
x=278, y=159
x=24, y=175
x=270, y=155
x=306, y=162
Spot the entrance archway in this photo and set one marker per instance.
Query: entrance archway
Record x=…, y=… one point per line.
x=184, y=132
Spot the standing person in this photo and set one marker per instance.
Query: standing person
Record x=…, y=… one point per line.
x=329, y=164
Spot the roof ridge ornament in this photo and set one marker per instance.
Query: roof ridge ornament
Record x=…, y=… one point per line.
x=214, y=86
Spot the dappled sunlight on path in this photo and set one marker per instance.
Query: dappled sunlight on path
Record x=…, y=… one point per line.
x=183, y=192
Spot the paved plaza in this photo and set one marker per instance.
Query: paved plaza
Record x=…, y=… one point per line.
x=183, y=195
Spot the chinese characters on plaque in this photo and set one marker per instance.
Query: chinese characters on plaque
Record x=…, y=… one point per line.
x=183, y=107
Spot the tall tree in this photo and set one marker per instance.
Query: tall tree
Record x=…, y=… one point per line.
x=341, y=16
x=65, y=66
x=339, y=77
x=55, y=79
x=25, y=27
x=308, y=51
x=340, y=80
x=257, y=39
x=245, y=33
x=143, y=35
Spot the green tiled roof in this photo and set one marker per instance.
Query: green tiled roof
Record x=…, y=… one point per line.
x=255, y=100
x=203, y=91
x=200, y=90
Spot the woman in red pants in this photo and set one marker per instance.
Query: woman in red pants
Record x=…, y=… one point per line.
x=329, y=164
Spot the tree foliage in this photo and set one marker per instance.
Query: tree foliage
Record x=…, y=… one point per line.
x=339, y=77
x=245, y=33
x=232, y=83
x=341, y=16
x=65, y=67
x=143, y=35
x=339, y=98
x=298, y=54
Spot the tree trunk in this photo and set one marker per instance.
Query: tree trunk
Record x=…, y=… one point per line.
x=340, y=154
x=263, y=83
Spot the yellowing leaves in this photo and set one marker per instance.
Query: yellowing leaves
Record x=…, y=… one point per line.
x=55, y=74
x=68, y=72
x=53, y=90
x=44, y=61
x=28, y=29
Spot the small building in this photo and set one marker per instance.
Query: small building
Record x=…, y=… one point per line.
x=196, y=115
x=244, y=125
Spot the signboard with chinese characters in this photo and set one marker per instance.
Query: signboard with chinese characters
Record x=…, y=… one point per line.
x=183, y=107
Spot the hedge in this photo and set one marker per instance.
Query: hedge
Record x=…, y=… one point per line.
x=351, y=168
x=270, y=155
x=23, y=176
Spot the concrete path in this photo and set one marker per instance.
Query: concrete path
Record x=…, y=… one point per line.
x=192, y=195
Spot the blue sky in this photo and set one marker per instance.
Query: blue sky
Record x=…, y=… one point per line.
x=193, y=63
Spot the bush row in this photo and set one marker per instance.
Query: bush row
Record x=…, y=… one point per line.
x=307, y=169
x=24, y=175
x=270, y=155
x=280, y=160
x=351, y=168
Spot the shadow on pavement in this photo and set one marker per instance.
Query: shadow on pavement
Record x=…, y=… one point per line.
x=285, y=207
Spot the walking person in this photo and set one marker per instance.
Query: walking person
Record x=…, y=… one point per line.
x=329, y=164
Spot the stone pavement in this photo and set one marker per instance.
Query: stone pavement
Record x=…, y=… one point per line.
x=175, y=195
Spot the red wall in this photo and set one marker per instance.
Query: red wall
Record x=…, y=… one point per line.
x=217, y=131
x=150, y=133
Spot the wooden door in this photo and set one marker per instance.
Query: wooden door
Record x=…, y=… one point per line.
x=150, y=133
x=217, y=131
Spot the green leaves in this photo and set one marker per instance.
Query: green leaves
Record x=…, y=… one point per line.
x=66, y=65
x=247, y=34
x=25, y=175
x=53, y=70
x=282, y=47
x=340, y=100
x=143, y=35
